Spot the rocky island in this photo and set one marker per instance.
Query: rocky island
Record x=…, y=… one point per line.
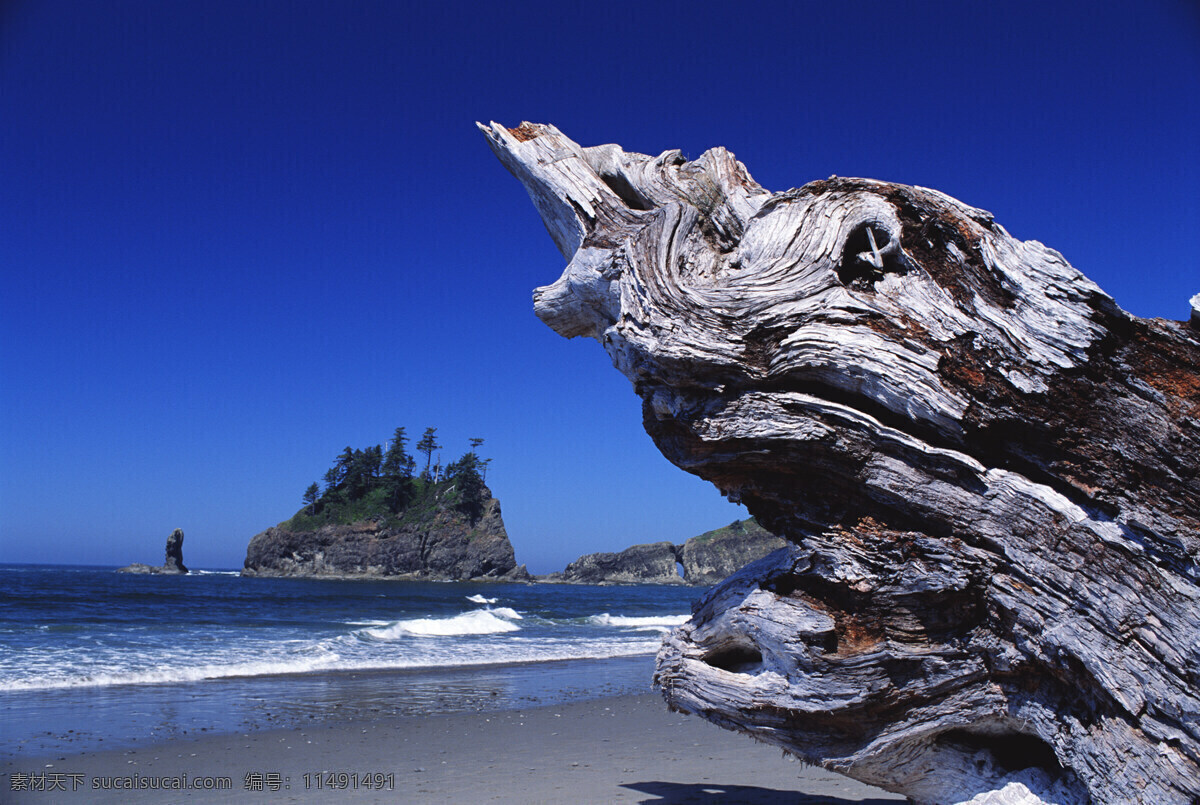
x=171, y=566
x=379, y=518
x=989, y=473
x=702, y=560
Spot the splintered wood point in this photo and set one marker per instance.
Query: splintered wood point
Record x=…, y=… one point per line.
x=876, y=260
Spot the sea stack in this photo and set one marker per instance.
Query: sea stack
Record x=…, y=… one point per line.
x=174, y=560
x=989, y=473
x=172, y=565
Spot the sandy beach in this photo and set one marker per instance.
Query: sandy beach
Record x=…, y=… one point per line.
x=616, y=749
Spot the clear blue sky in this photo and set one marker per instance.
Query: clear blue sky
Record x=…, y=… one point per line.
x=240, y=236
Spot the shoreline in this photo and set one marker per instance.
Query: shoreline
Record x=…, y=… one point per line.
x=72, y=720
x=626, y=748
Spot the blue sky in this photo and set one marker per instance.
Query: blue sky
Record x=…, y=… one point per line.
x=239, y=237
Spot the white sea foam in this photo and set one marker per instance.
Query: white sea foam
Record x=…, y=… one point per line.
x=427, y=630
x=163, y=673
x=341, y=653
x=660, y=623
x=468, y=623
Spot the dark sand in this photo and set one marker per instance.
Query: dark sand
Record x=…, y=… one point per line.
x=619, y=749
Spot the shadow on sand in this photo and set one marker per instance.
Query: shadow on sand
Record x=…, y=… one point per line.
x=712, y=793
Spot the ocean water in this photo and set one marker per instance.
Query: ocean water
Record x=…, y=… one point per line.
x=89, y=655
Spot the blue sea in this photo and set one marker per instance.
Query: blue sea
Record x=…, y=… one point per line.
x=94, y=658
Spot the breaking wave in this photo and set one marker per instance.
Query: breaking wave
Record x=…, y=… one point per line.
x=479, y=622
x=658, y=623
x=222, y=627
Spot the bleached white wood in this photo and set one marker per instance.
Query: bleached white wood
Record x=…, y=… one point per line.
x=989, y=472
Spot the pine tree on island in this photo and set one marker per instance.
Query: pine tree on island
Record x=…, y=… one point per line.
x=427, y=445
x=371, y=483
x=311, y=495
x=398, y=472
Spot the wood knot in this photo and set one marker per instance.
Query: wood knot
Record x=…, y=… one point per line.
x=870, y=252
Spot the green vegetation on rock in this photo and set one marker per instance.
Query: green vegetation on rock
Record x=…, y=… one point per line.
x=373, y=485
x=379, y=517
x=748, y=526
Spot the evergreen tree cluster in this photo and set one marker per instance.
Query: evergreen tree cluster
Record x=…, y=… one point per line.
x=390, y=477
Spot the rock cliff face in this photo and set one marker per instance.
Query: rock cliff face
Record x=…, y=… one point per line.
x=715, y=555
x=652, y=563
x=988, y=471
x=702, y=560
x=172, y=565
x=445, y=545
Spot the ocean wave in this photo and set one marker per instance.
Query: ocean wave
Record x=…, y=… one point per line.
x=163, y=674
x=658, y=623
x=191, y=633
x=478, y=622
x=319, y=660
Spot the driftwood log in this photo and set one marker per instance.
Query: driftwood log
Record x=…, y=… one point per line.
x=987, y=469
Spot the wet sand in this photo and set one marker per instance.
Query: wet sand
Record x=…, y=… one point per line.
x=617, y=749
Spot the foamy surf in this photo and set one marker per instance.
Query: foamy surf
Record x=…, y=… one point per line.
x=454, y=657
x=479, y=622
x=657, y=623
x=220, y=626
x=316, y=660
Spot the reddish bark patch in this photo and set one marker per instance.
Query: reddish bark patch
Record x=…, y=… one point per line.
x=525, y=132
x=1170, y=365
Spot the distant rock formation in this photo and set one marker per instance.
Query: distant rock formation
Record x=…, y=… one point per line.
x=173, y=564
x=990, y=473
x=653, y=563
x=702, y=560
x=715, y=555
x=174, y=560
x=442, y=544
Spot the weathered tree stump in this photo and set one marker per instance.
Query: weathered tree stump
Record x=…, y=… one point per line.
x=987, y=468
